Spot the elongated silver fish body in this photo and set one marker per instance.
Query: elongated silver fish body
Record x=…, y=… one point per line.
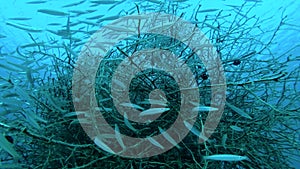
x=225, y=157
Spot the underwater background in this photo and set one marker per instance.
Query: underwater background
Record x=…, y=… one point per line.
x=257, y=42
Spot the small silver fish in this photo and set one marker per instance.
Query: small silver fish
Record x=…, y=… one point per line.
x=119, y=137
x=238, y=110
x=153, y=111
x=109, y=18
x=208, y=10
x=155, y=1
x=74, y=4
x=154, y=142
x=7, y=146
x=19, y=18
x=154, y=102
x=54, y=24
x=116, y=4
x=36, y=2
x=132, y=105
x=236, y=128
x=103, y=2
x=95, y=17
x=225, y=157
x=23, y=27
x=192, y=128
x=224, y=139
x=72, y=114
x=119, y=83
x=205, y=108
x=119, y=28
x=168, y=137
x=128, y=124
x=102, y=145
x=52, y=12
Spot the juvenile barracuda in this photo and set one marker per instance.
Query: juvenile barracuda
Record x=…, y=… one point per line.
x=119, y=28
x=132, y=105
x=103, y=2
x=119, y=137
x=109, y=18
x=208, y=10
x=7, y=146
x=52, y=12
x=128, y=124
x=36, y=2
x=192, y=128
x=195, y=131
x=154, y=102
x=168, y=137
x=225, y=157
x=238, y=110
x=24, y=27
x=236, y=128
x=154, y=142
x=102, y=145
x=153, y=111
x=205, y=108
x=95, y=17
x=20, y=18
x=73, y=4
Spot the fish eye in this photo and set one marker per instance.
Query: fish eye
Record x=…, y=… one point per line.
x=9, y=138
x=204, y=76
x=236, y=62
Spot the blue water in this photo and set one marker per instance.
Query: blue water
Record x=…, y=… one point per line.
x=264, y=9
